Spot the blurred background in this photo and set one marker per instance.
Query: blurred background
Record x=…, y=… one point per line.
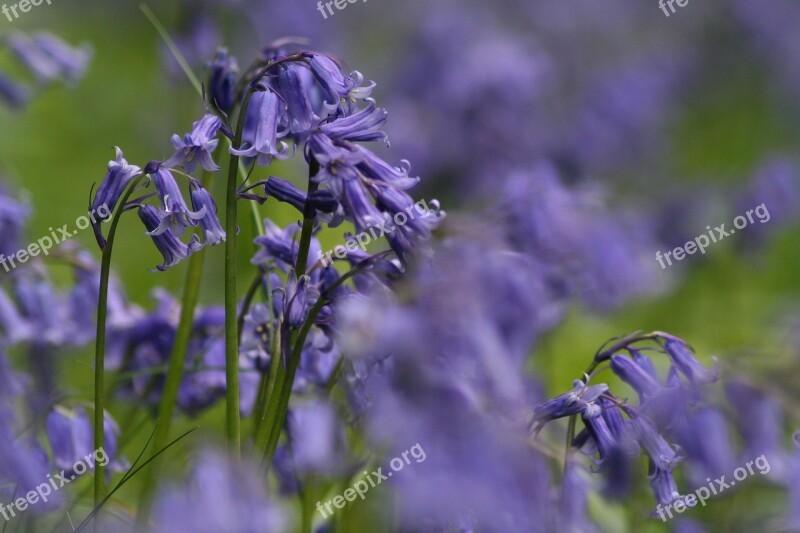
x=589, y=134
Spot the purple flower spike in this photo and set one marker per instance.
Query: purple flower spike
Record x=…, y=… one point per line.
x=197, y=146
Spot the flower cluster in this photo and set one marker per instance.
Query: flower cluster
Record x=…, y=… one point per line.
x=47, y=59
x=663, y=406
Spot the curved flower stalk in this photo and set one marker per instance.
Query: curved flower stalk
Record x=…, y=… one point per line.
x=165, y=223
x=615, y=431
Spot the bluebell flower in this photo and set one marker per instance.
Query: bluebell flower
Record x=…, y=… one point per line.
x=665, y=489
x=48, y=57
x=707, y=444
x=23, y=465
x=663, y=455
x=171, y=247
x=204, y=379
x=289, y=83
x=202, y=202
x=14, y=326
x=43, y=308
x=72, y=439
x=116, y=180
x=644, y=362
x=758, y=418
x=13, y=94
x=219, y=495
x=278, y=245
x=175, y=215
x=572, y=516
x=264, y=124
x=197, y=146
x=223, y=71
x=319, y=359
x=635, y=376
x=603, y=438
x=364, y=125
x=336, y=87
x=685, y=362
x=619, y=428
x=121, y=314
x=317, y=439
x=258, y=333
x=13, y=215
x=297, y=298
x=571, y=403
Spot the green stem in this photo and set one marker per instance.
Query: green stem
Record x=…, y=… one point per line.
x=283, y=389
x=308, y=222
x=100, y=341
x=231, y=319
x=275, y=413
x=275, y=377
x=177, y=365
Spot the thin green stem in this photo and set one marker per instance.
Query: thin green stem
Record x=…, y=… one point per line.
x=231, y=319
x=283, y=390
x=308, y=221
x=276, y=374
x=270, y=429
x=100, y=340
x=172, y=47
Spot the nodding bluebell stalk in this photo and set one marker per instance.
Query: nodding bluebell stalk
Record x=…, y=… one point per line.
x=612, y=437
x=122, y=195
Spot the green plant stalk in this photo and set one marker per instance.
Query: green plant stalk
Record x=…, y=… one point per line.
x=276, y=411
x=100, y=340
x=177, y=364
x=276, y=414
x=231, y=318
x=276, y=375
x=283, y=390
x=308, y=222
